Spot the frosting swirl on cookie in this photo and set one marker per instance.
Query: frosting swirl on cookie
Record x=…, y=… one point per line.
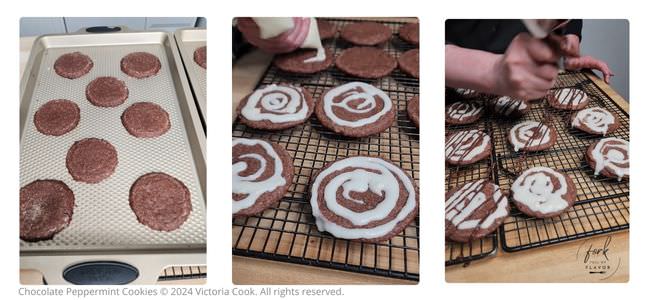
x=541, y=190
x=612, y=154
x=463, y=207
x=356, y=104
x=595, y=118
x=529, y=134
x=277, y=104
x=461, y=111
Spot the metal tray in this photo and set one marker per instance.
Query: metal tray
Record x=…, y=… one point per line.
x=189, y=40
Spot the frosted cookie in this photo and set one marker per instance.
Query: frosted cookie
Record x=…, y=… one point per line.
x=542, y=192
x=57, y=117
x=531, y=136
x=276, y=106
x=463, y=112
x=409, y=62
x=363, y=198
x=46, y=208
x=609, y=157
x=410, y=33
x=366, y=33
x=366, y=62
x=262, y=172
x=355, y=109
x=474, y=210
x=299, y=61
x=595, y=120
x=73, y=65
x=467, y=147
x=568, y=99
x=466, y=93
x=413, y=110
x=506, y=106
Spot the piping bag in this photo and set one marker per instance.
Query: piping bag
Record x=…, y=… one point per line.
x=552, y=32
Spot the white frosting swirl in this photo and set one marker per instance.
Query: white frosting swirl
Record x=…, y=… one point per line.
x=460, y=111
x=352, y=92
x=463, y=203
x=612, y=153
x=281, y=104
x=522, y=135
x=466, y=145
x=534, y=188
x=595, y=118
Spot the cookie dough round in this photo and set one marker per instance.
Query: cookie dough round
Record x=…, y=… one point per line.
x=463, y=112
x=409, y=62
x=140, y=64
x=609, y=157
x=467, y=147
x=542, y=192
x=366, y=33
x=73, y=65
x=107, y=92
x=275, y=107
x=201, y=56
x=595, y=120
x=413, y=110
x=91, y=160
x=410, y=33
x=146, y=120
x=294, y=62
x=365, y=62
x=262, y=172
x=326, y=29
x=46, y=208
x=506, y=106
x=355, y=109
x=57, y=117
x=363, y=198
x=532, y=136
x=160, y=201
x=568, y=99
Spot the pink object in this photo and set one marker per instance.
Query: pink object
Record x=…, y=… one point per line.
x=588, y=62
x=287, y=41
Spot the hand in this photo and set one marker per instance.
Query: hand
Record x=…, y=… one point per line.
x=527, y=70
x=287, y=41
x=588, y=62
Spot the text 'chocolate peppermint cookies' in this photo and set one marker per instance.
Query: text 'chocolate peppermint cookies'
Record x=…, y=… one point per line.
x=595, y=120
x=262, y=172
x=363, y=198
x=275, y=107
x=46, y=208
x=568, y=99
x=474, y=210
x=609, y=157
x=463, y=112
x=160, y=201
x=467, y=147
x=542, y=192
x=356, y=109
x=531, y=136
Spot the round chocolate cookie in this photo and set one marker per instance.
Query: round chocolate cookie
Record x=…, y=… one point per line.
x=466, y=93
x=146, y=120
x=532, y=136
x=275, y=107
x=160, y=201
x=294, y=62
x=91, y=160
x=409, y=62
x=46, y=208
x=413, y=110
x=568, y=99
x=57, y=117
x=262, y=172
x=140, y=64
x=410, y=33
x=366, y=33
x=326, y=30
x=595, y=120
x=467, y=147
x=365, y=62
x=474, y=210
x=463, y=112
x=107, y=92
x=355, y=109
x=609, y=157
x=201, y=56
x=73, y=65
x=542, y=192
x=363, y=198
x=506, y=106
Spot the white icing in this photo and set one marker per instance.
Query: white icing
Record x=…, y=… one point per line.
x=313, y=41
x=462, y=145
x=501, y=210
x=282, y=102
x=466, y=93
x=462, y=204
x=534, y=189
x=570, y=97
x=522, y=133
x=384, y=183
x=248, y=184
x=369, y=96
x=463, y=110
x=506, y=105
x=612, y=157
x=271, y=27
x=595, y=118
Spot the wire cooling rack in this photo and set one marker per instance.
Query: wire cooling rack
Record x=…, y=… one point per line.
x=287, y=232
x=183, y=273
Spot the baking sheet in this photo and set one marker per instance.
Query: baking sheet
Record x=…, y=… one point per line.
x=188, y=41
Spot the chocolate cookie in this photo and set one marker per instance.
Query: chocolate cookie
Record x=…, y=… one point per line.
x=409, y=62
x=201, y=56
x=262, y=172
x=366, y=33
x=467, y=147
x=466, y=93
x=91, y=160
x=413, y=110
x=506, y=106
x=73, y=65
x=474, y=210
x=568, y=99
x=300, y=61
x=365, y=62
x=275, y=107
x=57, y=117
x=140, y=64
x=355, y=109
x=532, y=136
x=107, y=92
x=146, y=120
x=463, y=112
x=410, y=33
x=326, y=30
x=160, y=201
x=46, y=208
x=609, y=157
x=363, y=198
x=595, y=120
x=542, y=192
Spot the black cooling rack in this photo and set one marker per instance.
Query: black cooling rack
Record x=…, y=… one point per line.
x=183, y=273
x=287, y=232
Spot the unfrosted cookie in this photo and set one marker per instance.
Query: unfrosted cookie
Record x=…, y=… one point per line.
x=46, y=208
x=91, y=160
x=140, y=65
x=409, y=62
x=366, y=33
x=73, y=65
x=609, y=157
x=146, y=120
x=276, y=106
x=300, y=61
x=365, y=62
x=160, y=201
x=568, y=99
x=532, y=136
x=57, y=117
x=467, y=147
x=201, y=56
x=463, y=112
x=326, y=29
x=542, y=192
x=410, y=33
x=107, y=91
x=595, y=120
x=413, y=110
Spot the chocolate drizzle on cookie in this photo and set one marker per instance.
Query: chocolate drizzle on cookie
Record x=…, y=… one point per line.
x=568, y=98
x=463, y=112
x=466, y=147
x=531, y=136
x=507, y=106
